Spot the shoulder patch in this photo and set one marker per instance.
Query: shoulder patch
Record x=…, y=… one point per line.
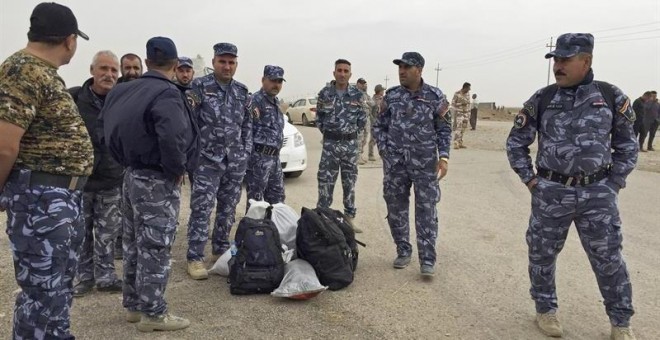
x=194, y=99
x=529, y=110
x=627, y=112
x=520, y=120
x=446, y=116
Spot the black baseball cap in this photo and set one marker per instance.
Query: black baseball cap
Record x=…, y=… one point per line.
x=50, y=19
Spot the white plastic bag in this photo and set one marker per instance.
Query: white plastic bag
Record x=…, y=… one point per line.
x=257, y=209
x=221, y=266
x=286, y=221
x=300, y=282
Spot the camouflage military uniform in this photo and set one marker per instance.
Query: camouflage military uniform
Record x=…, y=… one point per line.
x=365, y=135
x=373, y=116
x=413, y=131
x=340, y=119
x=42, y=218
x=461, y=104
x=226, y=142
x=578, y=135
x=264, y=179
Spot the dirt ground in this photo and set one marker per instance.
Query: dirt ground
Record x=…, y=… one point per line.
x=480, y=290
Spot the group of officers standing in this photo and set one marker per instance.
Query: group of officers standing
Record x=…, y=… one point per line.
x=113, y=154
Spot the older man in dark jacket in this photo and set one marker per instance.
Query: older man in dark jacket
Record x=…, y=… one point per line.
x=102, y=193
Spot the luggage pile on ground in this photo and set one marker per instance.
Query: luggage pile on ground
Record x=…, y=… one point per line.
x=275, y=251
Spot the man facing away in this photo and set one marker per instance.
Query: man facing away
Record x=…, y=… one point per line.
x=149, y=128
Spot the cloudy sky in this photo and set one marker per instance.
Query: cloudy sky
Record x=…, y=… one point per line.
x=498, y=46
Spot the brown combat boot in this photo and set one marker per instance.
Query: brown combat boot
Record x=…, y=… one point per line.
x=622, y=333
x=165, y=322
x=197, y=271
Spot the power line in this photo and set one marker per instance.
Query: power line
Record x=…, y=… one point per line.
x=495, y=54
x=631, y=39
x=627, y=34
x=626, y=27
x=498, y=58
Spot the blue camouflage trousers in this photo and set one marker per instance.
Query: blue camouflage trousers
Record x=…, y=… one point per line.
x=336, y=157
x=41, y=224
x=594, y=211
x=264, y=179
x=101, y=225
x=398, y=178
x=213, y=182
x=150, y=210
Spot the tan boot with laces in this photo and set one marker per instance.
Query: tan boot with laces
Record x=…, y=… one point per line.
x=165, y=322
x=549, y=324
x=197, y=271
x=622, y=333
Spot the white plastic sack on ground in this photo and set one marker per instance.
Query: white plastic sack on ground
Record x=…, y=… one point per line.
x=288, y=254
x=221, y=266
x=257, y=209
x=286, y=221
x=300, y=282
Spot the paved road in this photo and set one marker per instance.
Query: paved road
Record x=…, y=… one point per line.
x=480, y=287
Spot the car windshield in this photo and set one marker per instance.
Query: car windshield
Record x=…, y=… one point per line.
x=312, y=101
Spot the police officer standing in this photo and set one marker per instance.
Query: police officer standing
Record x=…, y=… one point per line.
x=368, y=105
x=102, y=193
x=149, y=128
x=413, y=134
x=221, y=107
x=379, y=94
x=264, y=178
x=45, y=158
x=586, y=149
x=341, y=117
x=185, y=72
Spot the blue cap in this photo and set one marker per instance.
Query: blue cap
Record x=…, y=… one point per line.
x=225, y=48
x=161, y=48
x=274, y=72
x=185, y=62
x=570, y=44
x=411, y=59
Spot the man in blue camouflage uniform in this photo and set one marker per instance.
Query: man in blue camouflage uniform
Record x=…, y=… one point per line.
x=586, y=149
x=149, y=128
x=341, y=118
x=220, y=104
x=102, y=193
x=413, y=135
x=45, y=158
x=264, y=179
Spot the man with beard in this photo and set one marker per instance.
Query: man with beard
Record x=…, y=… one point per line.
x=131, y=67
x=185, y=72
x=340, y=117
x=264, y=178
x=220, y=104
x=102, y=193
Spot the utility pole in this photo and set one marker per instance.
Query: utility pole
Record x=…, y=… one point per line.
x=550, y=46
x=386, y=79
x=437, y=74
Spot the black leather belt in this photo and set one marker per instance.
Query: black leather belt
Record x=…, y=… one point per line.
x=340, y=136
x=573, y=181
x=266, y=150
x=39, y=178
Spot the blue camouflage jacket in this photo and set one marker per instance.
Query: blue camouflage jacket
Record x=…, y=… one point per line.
x=340, y=115
x=578, y=134
x=267, y=120
x=224, y=120
x=414, y=126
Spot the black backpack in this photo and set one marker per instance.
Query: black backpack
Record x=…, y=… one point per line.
x=326, y=240
x=258, y=266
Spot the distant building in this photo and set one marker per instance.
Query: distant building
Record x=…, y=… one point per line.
x=487, y=105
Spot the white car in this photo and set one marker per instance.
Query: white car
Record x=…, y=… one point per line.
x=302, y=111
x=293, y=154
